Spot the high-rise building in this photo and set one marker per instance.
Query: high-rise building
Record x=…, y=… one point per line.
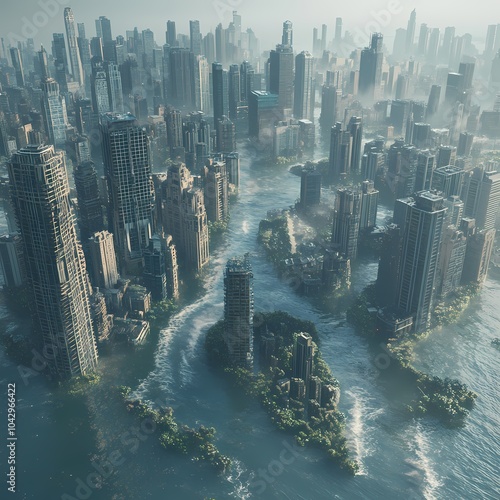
x=127, y=164
x=103, y=29
x=11, y=263
x=478, y=255
x=171, y=34
x=54, y=113
x=60, y=287
x=451, y=259
x=302, y=358
x=195, y=37
x=370, y=69
x=172, y=268
x=155, y=270
x=487, y=200
x=448, y=180
x=234, y=91
x=281, y=75
x=226, y=135
x=369, y=205
x=43, y=64
x=489, y=46
x=220, y=87
x=446, y=155
x=238, y=310
x=425, y=168
x=433, y=102
x=60, y=60
x=465, y=143
x=182, y=78
x=328, y=115
x=103, y=270
x=422, y=220
x=410, y=32
x=355, y=128
x=17, y=62
x=341, y=145
x=99, y=89
x=263, y=112
x=114, y=87
x=202, y=98
x=173, y=119
x=215, y=188
x=310, y=187
x=194, y=247
x=74, y=53
x=90, y=216
x=346, y=217
x=287, y=38
x=389, y=266
x=304, y=72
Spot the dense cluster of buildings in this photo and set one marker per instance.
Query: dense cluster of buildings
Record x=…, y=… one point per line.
x=148, y=131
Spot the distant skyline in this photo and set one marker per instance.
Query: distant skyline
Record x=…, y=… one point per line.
x=360, y=18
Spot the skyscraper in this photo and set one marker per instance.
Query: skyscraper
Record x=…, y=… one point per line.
x=346, y=217
x=195, y=37
x=328, y=115
x=234, y=91
x=369, y=205
x=194, y=228
x=302, y=103
x=127, y=164
x=171, y=34
x=182, y=78
x=310, y=187
x=17, y=62
x=287, y=38
x=103, y=270
x=422, y=226
x=370, y=68
x=215, y=187
x=54, y=113
x=238, y=310
x=103, y=29
x=281, y=74
x=60, y=288
x=341, y=151
x=302, y=358
x=90, y=216
x=220, y=92
x=410, y=32
x=74, y=53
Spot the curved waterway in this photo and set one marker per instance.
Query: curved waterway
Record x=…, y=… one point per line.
x=61, y=441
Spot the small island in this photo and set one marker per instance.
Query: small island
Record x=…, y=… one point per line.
x=287, y=348
x=196, y=443
x=448, y=400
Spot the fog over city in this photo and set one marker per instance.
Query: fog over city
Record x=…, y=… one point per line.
x=249, y=250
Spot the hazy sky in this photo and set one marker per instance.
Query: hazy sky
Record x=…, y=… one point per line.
x=265, y=17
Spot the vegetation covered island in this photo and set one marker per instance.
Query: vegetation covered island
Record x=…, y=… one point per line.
x=293, y=382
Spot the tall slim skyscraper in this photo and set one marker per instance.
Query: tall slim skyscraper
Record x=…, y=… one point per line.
x=195, y=37
x=54, y=113
x=103, y=270
x=171, y=35
x=328, y=115
x=234, y=90
x=238, y=310
x=74, y=53
x=422, y=226
x=302, y=360
x=340, y=153
x=346, y=217
x=220, y=92
x=60, y=287
x=90, y=215
x=182, y=78
x=127, y=164
x=370, y=68
x=302, y=103
x=287, y=38
x=281, y=75
x=17, y=62
x=410, y=31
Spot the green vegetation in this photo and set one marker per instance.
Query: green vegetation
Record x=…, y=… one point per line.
x=446, y=399
x=197, y=443
x=78, y=386
x=274, y=237
x=322, y=428
x=217, y=228
x=160, y=311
